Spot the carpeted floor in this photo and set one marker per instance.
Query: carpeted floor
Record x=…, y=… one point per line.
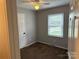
x=43, y=51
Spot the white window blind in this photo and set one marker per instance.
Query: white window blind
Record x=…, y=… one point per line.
x=55, y=25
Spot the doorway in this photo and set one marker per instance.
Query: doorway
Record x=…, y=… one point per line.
x=34, y=27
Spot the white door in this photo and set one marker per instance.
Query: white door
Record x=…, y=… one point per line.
x=22, y=30
x=73, y=37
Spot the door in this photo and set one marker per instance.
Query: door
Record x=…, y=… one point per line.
x=73, y=37
x=4, y=32
x=22, y=30
x=76, y=54
x=71, y=32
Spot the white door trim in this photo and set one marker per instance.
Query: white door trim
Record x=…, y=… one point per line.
x=13, y=28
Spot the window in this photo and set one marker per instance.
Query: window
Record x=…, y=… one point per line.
x=55, y=25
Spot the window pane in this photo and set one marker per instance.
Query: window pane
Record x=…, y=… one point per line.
x=55, y=25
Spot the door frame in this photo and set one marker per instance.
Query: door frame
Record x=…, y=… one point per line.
x=11, y=8
x=13, y=28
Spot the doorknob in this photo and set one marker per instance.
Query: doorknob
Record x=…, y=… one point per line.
x=24, y=33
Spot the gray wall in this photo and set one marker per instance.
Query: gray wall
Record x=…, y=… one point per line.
x=42, y=29
x=27, y=25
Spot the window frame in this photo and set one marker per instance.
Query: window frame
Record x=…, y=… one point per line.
x=62, y=27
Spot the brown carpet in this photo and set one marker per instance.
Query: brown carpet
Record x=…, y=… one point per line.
x=43, y=51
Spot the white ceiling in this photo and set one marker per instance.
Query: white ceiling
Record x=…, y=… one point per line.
x=53, y=3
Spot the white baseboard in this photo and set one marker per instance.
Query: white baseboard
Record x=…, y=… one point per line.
x=43, y=42
x=53, y=45
x=28, y=44
x=61, y=47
